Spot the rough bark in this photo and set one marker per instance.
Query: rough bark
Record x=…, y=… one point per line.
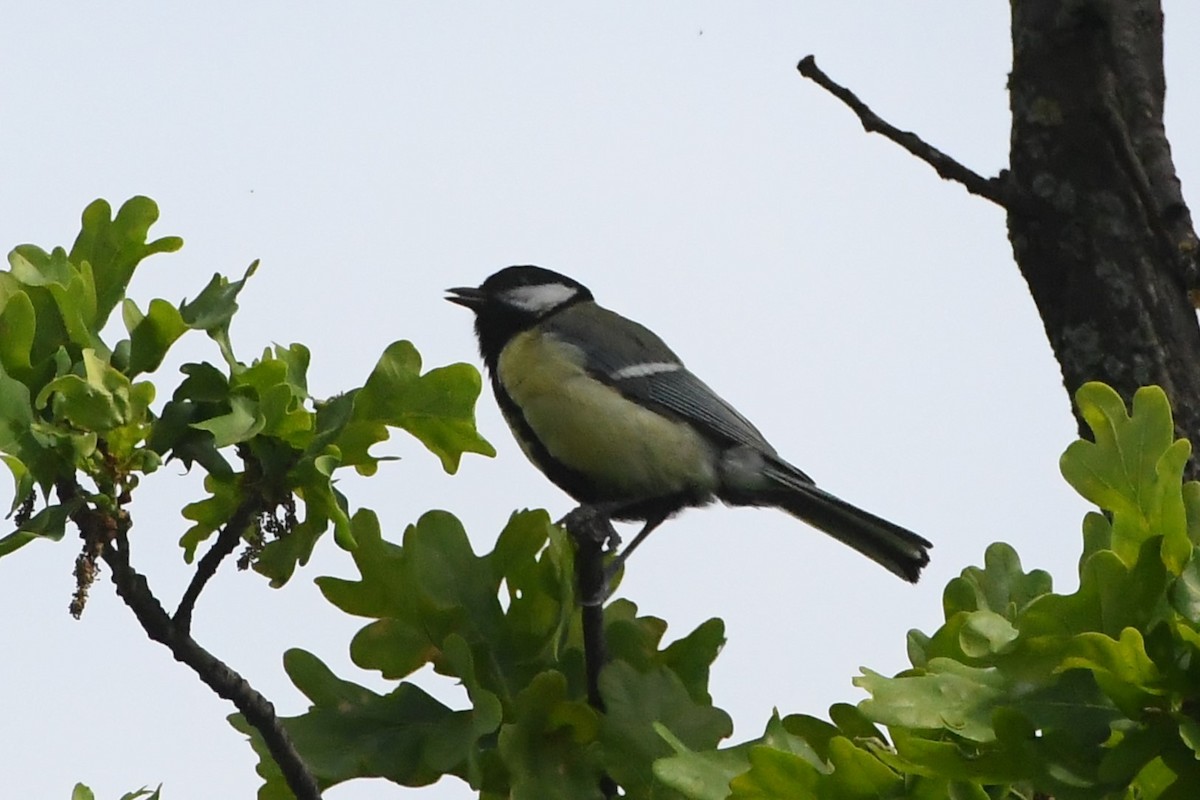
x=1102, y=234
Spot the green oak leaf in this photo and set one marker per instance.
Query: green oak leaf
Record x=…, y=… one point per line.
x=242, y=422
x=545, y=746
x=114, y=246
x=775, y=773
x=710, y=775
x=213, y=310
x=17, y=329
x=151, y=334
x=210, y=514
x=438, y=408
x=635, y=702
x=99, y=400
x=949, y=696
x=1133, y=470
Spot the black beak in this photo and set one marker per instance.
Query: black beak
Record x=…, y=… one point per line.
x=468, y=297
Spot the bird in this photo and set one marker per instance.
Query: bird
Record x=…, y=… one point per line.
x=609, y=413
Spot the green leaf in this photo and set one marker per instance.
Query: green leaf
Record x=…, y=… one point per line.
x=209, y=514
x=22, y=480
x=99, y=400
x=815, y=733
x=16, y=417
x=151, y=334
x=986, y=633
x=635, y=702
x=216, y=304
x=544, y=747
x=1110, y=598
x=64, y=297
x=1121, y=667
x=1133, y=470
x=950, y=696
x=115, y=246
x=277, y=380
x=1185, y=593
x=405, y=736
x=858, y=773
x=148, y=794
x=437, y=588
x=38, y=306
x=82, y=792
x=324, y=505
x=853, y=723
x=775, y=774
x=691, y=657
x=708, y=775
x=213, y=310
x=17, y=328
x=242, y=422
x=48, y=523
x=274, y=784
x=438, y=408
x=432, y=600
x=699, y=775
x=1155, y=781
x=1002, y=586
x=349, y=732
x=29, y=451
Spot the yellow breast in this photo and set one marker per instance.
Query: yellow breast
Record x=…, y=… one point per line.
x=627, y=450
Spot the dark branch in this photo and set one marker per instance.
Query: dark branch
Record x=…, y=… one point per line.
x=994, y=189
x=591, y=531
x=227, y=541
x=132, y=587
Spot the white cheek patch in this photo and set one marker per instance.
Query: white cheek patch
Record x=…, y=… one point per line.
x=539, y=298
x=645, y=370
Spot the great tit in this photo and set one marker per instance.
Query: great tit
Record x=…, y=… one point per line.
x=610, y=414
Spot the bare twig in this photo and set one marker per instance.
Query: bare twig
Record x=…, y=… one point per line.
x=227, y=540
x=994, y=189
x=132, y=587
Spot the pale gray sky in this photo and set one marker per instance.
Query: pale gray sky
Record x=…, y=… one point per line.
x=866, y=315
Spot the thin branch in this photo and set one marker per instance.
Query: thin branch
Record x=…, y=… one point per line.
x=227, y=542
x=591, y=531
x=132, y=587
x=994, y=189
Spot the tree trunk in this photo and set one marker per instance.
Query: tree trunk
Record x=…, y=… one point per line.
x=1097, y=220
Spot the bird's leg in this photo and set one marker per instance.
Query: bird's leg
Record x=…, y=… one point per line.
x=594, y=523
x=618, y=563
x=593, y=532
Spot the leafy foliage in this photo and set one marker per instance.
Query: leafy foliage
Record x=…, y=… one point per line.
x=528, y=731
x=1023, y=692
x=71, y=404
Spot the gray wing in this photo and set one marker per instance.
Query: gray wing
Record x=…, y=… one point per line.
x=636, y=362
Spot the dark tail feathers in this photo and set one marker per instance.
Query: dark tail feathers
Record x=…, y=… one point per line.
x=898, y=549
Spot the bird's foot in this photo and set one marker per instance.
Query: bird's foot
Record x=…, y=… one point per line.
x=592, y=524
x=594, y=536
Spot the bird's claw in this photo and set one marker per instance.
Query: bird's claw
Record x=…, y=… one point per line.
x=593, y=524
